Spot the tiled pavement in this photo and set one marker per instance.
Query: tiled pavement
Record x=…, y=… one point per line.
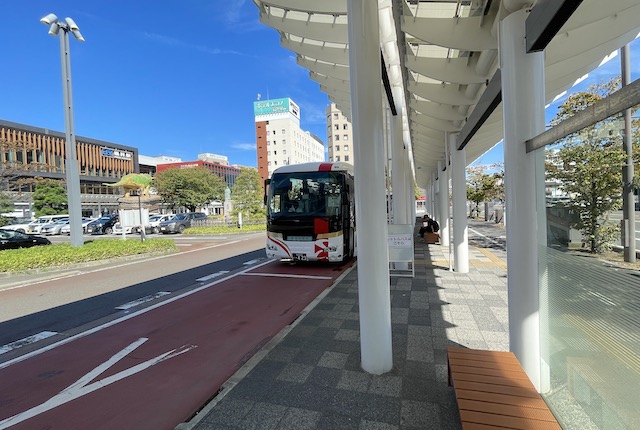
x=311, y=377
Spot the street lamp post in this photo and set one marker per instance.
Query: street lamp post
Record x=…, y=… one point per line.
x=71, y=160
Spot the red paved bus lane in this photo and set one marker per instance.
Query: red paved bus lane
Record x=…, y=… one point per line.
x=154, y=368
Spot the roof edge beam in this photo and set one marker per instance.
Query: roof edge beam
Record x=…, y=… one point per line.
x=625, y=98
x=545, y=21
x=387, y=86
x=489, y=101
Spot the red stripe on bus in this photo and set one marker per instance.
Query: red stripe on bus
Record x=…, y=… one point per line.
x=325, y=167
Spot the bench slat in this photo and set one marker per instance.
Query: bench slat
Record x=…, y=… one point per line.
x=497, y=389
x=504, y=380
x=525, y=402
x=509, y=372
x=508, y=422
x=508, y=410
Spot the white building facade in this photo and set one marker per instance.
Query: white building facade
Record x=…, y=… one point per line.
x=279, y=139
x=339, y=135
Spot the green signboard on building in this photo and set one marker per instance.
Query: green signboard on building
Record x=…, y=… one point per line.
x=268, y=107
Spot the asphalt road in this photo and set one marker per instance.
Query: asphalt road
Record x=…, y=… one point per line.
x=122, y=356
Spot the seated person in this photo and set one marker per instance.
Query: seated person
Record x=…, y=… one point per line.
x=430, y=227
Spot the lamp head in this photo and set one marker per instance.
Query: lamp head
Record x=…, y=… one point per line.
x=77, y=35
x=49, y=19
x=72, y=24
x=54, y=29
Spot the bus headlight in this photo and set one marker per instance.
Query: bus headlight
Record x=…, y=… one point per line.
x=333, y=248
x=271, y=247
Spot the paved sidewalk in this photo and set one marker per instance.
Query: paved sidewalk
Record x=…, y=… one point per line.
x=311, y=378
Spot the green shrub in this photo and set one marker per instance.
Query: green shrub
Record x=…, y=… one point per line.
x=15, y=260
x=225, y=229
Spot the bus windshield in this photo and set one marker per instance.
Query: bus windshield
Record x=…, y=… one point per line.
x=315, y=194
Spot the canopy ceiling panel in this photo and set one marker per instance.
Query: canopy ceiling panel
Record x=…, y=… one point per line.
x=443, y=55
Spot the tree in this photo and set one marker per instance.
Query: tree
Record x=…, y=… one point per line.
x=50, y=198
x=248, y=194
x=589, y=167
x=483, y=187
x=191, y=188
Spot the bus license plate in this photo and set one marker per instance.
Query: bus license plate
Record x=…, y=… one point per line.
x=300, y=257
x=300, y=238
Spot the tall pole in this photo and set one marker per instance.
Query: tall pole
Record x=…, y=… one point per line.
x=628, y=199
x=71, y=159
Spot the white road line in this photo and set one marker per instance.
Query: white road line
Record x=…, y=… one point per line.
x=26, y=341
x=250, y=262
x=82, y=387
x=122, y=319
x=486, y=237
x=284, y=275
x=142, y=300
x=67, y=275
x=213, y=275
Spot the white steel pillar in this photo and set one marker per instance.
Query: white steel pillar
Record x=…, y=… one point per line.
x=371, y=214
x=443, y=200
x=523, y=107
x=459, y=206
x=398, y=181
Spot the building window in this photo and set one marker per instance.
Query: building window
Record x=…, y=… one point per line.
x=337, y=127
x=345, y=137
x=275, y=163
x=284, y=152
x=346, y=158
x=337, y=158
x=337, y=147
x=345, y=126
x=275, y=152
x=336, y=137
x=345, y=147
x=284, y=142
x=335, y=116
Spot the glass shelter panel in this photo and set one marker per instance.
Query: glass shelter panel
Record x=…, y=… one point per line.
x=589, y=297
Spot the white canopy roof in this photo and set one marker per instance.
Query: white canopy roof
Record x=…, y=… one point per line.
x=441, y=55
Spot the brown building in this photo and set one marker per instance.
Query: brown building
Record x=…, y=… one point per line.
x=29, y=152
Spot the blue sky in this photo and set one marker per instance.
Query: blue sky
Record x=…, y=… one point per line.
x=171, y=78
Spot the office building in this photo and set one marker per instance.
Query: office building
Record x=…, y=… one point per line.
x=279, y=139
x=339, y=135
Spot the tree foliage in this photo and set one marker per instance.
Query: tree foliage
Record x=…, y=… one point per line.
x=50, y=198
x=248, y=194
x=589, y=167
x=484, y=187
x=191, y=188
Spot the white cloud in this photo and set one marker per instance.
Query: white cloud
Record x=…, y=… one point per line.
x=170, y=41
x=244, y=146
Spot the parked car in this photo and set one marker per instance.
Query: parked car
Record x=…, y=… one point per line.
x=66, y=229
x=12, y=239
x=103, y=225
x=181, y=222
x=36, y=226
x=155, y=220
x=21, y=225
x=53, y=227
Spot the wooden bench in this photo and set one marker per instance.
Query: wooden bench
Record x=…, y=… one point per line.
x=494, y=392
x=431, y=237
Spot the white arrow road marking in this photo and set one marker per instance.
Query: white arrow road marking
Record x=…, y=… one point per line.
x=250, y=262
x=213, y=275
x=142, y=300
x=82, y=386
x=26, y=341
